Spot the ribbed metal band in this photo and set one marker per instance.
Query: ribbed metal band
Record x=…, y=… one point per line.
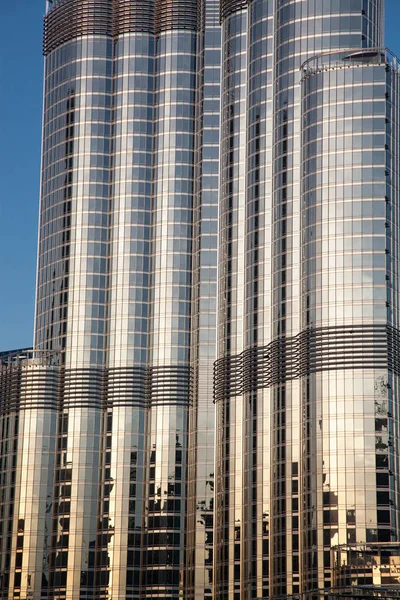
x=171, y=385
x=133, y=15
x=228, y=7
x=32, y=388
x=178, y=14
x=73, y=18
x=70, y=19
x=23, y=386
x=127, y=387
x=312, y=351
x=83, y=388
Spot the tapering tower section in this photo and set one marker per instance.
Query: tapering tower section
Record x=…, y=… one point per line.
x=242, y=503
x=302, y=29
x=200, y=524
x=71, y=311
x=124, y=488
x=122, y=176
x=171, y=377
x=264, y=474
x=229, y=507
x=350, y=312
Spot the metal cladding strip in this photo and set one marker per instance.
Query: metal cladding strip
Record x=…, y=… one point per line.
x=133, y=15
x=56, y=388
x=73, y=18
x=312, y=351
x=178, y=14
x=228, y=7
x=70, y=19
x=26, y=388
x=83, y=388
x=145, y=387
x=127, y=387
x=172, y=385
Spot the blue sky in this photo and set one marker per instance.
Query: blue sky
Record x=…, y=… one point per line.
x=21, y=69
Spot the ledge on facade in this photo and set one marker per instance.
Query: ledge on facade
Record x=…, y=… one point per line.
x=352, y=57
x=29, y=356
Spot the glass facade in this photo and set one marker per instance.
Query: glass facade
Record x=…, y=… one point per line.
x=210, y=411
x=307, y=294
x=120, y=501
x=201, y=480
x=350, y=295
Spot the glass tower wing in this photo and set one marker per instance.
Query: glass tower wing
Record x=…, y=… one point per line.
x=201, y=478
x=172, y=225
x=301, y=29
x=259, y=383
x=349, y=205
x=72, y=282
x=258, y=282
x=229, y=506
x=123, y=487
x=28, y=428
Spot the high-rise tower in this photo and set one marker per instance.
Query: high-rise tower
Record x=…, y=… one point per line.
x=119, y=503
x=254, y=138
x=306, y=379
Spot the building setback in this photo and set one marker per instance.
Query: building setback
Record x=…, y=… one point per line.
x=217, y=309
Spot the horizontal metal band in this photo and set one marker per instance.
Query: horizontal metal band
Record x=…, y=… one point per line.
x=146, y=387
x=178, y=14
x=133, y=15
x=73, y=18
x=171, y=385
x=312, y=351
x=31, y=386
x=83, y=388
x=228, y=7
x=70, y=19
x=127, y=386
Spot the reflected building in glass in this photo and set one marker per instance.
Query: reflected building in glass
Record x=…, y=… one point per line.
x=217, y=309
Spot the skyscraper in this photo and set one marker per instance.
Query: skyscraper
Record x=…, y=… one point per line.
x=108, y=496
x=306, y=377
x=254, y=138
